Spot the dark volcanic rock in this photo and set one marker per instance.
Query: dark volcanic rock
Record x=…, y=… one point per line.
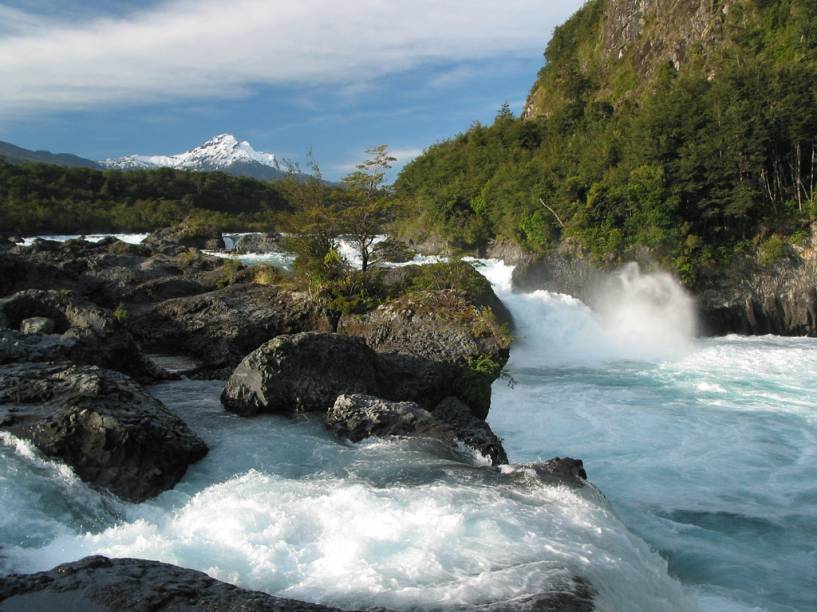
x=301, y=373
x=98, y=584
x=83, y=332
x=572, y=594
x=433, y=345
x=560, y=274
x=356, y=417
x=750, y=298
x=470, y=430
x=221, y=327
x=101, y=423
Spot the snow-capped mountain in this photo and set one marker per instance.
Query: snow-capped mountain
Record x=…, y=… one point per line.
x=223, y=153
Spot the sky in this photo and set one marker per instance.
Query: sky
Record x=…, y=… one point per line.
x=104, y=78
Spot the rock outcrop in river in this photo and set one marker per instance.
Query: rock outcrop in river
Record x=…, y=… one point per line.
x=102, y=424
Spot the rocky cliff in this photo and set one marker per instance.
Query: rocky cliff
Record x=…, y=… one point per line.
x=621, y=45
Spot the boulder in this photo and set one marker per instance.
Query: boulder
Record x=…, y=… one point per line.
x=435, y=344
x=303, y=372
x=101, y=423
x=37, y=325
x=356, y=417
x=219, y=328
x=99, y=584
x=258, y=243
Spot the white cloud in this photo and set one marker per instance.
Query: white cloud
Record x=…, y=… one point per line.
x=211, y=48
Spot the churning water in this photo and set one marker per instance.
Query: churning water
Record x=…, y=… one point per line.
x=704, y=451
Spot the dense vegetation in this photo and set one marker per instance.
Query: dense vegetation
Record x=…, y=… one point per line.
x=37, y=198
x=693, y=161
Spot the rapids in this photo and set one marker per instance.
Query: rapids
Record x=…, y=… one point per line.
x=704, y=452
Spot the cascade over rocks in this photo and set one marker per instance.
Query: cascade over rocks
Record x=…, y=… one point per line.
x=356, y=417
x=99, y=584
x=99, y=422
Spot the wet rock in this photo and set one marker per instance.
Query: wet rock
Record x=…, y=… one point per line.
x=569, y=594
x=102, y=424
x=357, y=417
x=471, y=431
x=37, y=325
x=219, y=328
x=99, y=584
x=560, y=273
x=301, y=373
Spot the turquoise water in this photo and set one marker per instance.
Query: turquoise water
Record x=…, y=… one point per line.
x=703, y=452
x=708, y=452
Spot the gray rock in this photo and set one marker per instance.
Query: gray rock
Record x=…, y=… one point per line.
x=37, y=325
x=219, y=328
x=258, y=243
x=356, y=417
x=102, y=424
x=89, y=334
x=177, y=239
x=304, y=372
x=99, y=584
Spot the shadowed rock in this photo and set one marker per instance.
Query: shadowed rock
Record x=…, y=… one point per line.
x=356, y=417
x=99, y=422
x=98, y=584
x=301, y=373
x=221, y=327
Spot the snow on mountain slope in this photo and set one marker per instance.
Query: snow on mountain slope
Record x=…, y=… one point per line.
x=223, y=152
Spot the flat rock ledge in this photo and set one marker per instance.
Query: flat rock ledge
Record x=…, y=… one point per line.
x=101, y=423
x=99, y=584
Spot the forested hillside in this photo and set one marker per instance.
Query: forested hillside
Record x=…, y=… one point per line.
x=687, y=128
x=38, y=198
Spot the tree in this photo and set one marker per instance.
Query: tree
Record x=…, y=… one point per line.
x=314, y=224
x=369, y=207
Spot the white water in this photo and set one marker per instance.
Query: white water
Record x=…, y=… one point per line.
x=280, y=506
x=129, y=238
x=705, y=449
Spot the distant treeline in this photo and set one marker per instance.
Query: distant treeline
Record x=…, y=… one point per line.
x=37, y=198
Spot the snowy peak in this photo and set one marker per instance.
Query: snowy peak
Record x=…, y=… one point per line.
x=223, y=153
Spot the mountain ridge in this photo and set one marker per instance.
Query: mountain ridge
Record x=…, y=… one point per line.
x=221, y=153
x=19, y=155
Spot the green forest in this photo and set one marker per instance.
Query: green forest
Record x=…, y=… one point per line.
x=37, y=198
x=693, y=162
x=617, y=154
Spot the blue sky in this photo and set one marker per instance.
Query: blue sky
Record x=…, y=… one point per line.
x=103, y=78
